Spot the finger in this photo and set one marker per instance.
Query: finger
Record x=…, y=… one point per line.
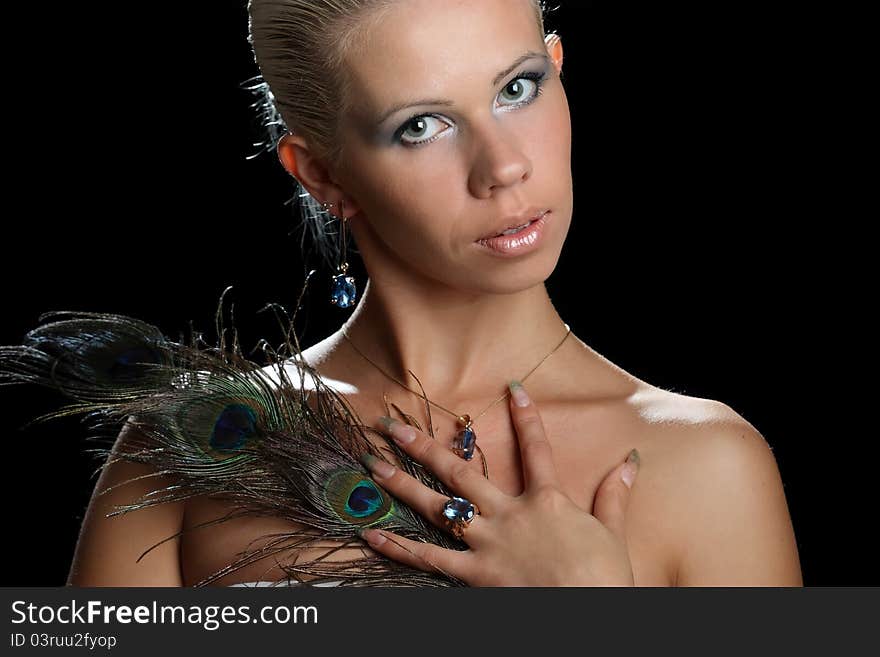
x=537, y=455
x=424, y=556
x=428, y=503
x=613, y=495
x=460, y=476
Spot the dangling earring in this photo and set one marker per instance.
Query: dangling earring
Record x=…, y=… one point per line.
x=343, y=292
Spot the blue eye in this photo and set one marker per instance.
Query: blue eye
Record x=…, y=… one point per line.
x=419, y=125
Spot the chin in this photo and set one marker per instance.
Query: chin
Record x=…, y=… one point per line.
x=514, y=277
x=505, y=275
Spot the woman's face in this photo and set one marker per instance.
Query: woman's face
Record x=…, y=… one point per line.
x=430, y=180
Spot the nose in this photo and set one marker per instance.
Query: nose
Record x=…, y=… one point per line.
x=499, y=161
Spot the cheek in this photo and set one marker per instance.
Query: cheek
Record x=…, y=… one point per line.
x=392, y=181
x=408, y=199
x=555, y=138
x=406, y=211
x=553, y=159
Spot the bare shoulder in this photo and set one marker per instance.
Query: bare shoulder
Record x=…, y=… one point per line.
x=300, y=377
x=137, y=548
x=723, y=494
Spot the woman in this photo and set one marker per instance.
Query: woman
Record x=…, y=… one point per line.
x=428, y=129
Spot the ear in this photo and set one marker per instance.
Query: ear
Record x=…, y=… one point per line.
x=300, y=162
x=554, y=48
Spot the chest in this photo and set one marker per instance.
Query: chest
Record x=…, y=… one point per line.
x=586, y=447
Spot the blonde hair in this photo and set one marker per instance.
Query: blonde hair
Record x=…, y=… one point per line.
x=300, y=47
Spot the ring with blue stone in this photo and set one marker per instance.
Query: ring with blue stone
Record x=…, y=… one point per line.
x=459, y=513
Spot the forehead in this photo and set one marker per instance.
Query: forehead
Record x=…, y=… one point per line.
x=424, y=47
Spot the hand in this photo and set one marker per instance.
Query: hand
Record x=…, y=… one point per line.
x=539, y=538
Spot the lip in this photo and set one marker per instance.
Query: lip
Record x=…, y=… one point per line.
x=525, y=241
x=517, y=220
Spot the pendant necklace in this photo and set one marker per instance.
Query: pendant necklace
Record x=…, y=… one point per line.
x=465, y=442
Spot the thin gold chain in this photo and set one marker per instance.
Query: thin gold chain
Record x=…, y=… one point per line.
x=461, y=418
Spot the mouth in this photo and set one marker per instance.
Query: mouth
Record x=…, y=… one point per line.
x=525, y=240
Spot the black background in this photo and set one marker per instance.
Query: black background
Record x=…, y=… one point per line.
x=708, y=253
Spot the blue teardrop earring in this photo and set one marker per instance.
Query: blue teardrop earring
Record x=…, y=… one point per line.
x=343, y=292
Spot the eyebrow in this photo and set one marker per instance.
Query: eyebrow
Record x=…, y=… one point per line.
x=441, y=101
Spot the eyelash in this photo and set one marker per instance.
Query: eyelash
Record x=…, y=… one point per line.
x=538, y=77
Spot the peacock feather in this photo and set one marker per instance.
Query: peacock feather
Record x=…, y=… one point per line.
x=222, y=425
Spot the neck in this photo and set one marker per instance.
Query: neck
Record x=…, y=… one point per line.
x=461, y=348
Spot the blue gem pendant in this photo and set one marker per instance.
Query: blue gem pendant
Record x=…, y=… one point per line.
x=465, y=440
x=343, y=292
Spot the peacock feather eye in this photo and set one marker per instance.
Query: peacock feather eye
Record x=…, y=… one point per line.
x=364, y=500
x=357, y=499
x=222, y=427
x=233, y=428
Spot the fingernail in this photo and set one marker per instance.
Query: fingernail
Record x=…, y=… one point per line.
x=372, y=536
x=634, y=457
x=402, y=433
x=630, y=468
x=377, y=466
x=520, y=398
